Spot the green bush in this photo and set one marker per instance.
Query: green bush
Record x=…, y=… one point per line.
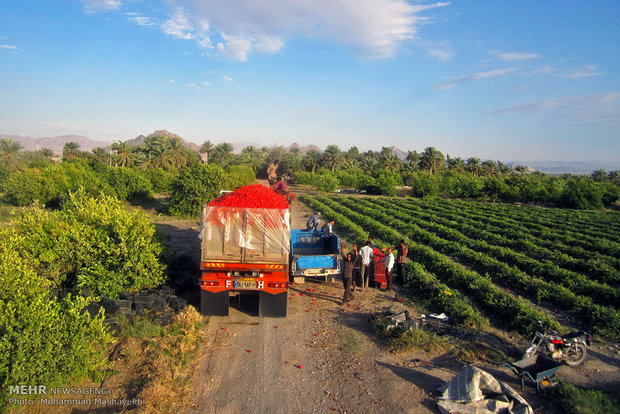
x=346, y=178
x=570, y=399
x=326, y=182
x=582, y=194
x=303, y=177
x=130, y=184
x=387, y=181
x=43, y=340
x=240, y=175
x=52, y=184
x=161, y=180
x=363, y=181
x=92, y=243
x=23, y=188
x=426, y=185
x=195, y=186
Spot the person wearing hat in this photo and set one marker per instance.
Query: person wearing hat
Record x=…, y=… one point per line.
x=313, y=221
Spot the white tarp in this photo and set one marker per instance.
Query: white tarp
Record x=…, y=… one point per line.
x=246, y=234
x=474, y=391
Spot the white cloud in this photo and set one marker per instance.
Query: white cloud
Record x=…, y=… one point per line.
x=227, y=79
x=441, y=55
x=205, y=83
x=172, y=81
x=178, y=26
x=94, y=6
x=374, y=29
x=585, y=72
x=10, y=47
x=193, y=86
x=590, y=108
x=546, y=70
x=513, y=56
x=140, y=20
x=472, y=77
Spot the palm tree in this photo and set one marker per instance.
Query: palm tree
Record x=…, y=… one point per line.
x=389, y=161
x=489, y=168
x=161, y=158
x=413, y=157
x=222, y=153
x=70, y=150
x=522, y=169
x=176, y=152
x=292, y=163
x=252, y=157
x=206, y=149
x=456, y=164
x=431, y=160
x=46, y=152
x=312, y=160
x=99, y=155
x=352, y=164
x=332, y=157
x=599, y=175
x=9, y=154
x=473, y=165
x=353, y=153
x=369, y=164
x=123, y=154
x=503, y=168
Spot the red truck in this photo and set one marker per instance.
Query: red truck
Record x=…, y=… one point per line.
x=245, y=250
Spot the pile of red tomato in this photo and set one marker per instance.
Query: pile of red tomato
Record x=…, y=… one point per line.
x=252, y=196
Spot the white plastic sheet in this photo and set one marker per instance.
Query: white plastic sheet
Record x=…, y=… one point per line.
x=245, y=234
x=474, y=391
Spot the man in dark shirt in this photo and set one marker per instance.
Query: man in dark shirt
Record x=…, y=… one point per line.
x=282, y=188
x=357, y=268
x=347, y=275
x=401, y=261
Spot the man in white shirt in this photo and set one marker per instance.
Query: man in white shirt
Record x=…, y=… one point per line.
x=367, y=258
x=389, y=264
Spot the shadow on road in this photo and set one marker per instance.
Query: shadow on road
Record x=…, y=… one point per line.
x=429, y=383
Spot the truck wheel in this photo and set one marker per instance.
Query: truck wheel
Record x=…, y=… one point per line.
x=272, y=305
x=214, y=303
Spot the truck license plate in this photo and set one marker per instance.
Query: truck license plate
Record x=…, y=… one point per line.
x=246, y=284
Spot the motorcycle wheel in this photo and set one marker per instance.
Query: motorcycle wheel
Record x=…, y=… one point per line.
x=575, y=356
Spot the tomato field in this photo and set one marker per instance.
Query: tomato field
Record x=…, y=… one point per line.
x=505, y=263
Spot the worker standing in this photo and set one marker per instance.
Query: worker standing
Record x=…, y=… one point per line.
x=272, y=173
x=347, y=275
x=367, y=257
x=388, y=260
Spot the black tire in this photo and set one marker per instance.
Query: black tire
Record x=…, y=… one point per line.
x=575, y=356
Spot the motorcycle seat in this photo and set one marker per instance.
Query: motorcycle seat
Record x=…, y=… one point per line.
x=572, y=335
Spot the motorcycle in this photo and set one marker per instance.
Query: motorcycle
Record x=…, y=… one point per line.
x=569, y=348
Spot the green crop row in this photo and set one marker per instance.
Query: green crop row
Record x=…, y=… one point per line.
x=515, y=229
x=514, y=239
x=479, y=241
x=603, y=320
x=509, y=311
x=573, y=238
x=596, y=224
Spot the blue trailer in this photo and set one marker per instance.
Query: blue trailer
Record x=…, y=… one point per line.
x=314, y=255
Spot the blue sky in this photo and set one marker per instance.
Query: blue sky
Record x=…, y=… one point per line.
x=508, y=80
